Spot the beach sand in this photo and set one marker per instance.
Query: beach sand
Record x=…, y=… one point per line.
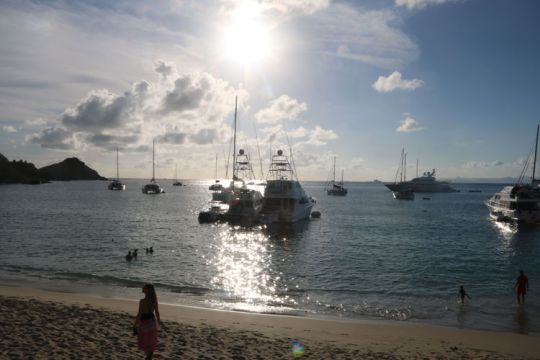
x=37, y=324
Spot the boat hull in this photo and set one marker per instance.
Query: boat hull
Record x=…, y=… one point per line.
x=421, y=188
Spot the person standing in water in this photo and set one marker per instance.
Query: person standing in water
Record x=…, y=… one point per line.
x=462, y=294
x=521, y=287
x=146, y=322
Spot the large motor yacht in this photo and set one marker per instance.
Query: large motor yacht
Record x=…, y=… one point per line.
x=284, y=198
x=519, y=203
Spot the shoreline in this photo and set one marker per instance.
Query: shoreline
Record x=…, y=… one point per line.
x=263, y=334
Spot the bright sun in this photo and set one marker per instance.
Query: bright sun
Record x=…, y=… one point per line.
x=247, y=39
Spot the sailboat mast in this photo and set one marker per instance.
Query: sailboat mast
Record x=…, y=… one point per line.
x=216, y=168
x=117, y=172
x=334, y=178
x=416, y=167
x=535, y=152
x=401, y=166
x=153, y=167
x=342, y=177
x=405, y=167
x=234, y=139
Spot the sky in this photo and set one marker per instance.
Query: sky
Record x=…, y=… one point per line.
x=455, y=83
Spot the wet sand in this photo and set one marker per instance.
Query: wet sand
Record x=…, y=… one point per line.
x=52, y=325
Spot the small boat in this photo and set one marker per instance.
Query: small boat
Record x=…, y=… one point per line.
x=285, y=201
x=427, y=183
x=176, y=182
x=152, y=188
x=116, y=184
x=336, y=188
x=403, y=195
x=519, y=204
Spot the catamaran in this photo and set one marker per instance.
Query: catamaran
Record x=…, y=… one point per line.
x=336, y=188
x=116, y=184
x=152, y=188
x=520, y=203
x=285, y=201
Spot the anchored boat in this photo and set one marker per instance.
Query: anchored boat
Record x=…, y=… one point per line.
x=519, y=203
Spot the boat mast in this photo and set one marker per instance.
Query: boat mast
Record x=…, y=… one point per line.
x=334, y=178
x=342, y=176
x=401, y=166
x=405, y=167
x=153, y=167
x=234, y=140
x=535, y=152
x=216, y=168
x=416, y=167
x=117, y=172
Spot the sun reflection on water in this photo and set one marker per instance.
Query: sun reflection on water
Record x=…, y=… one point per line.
x=243, y=268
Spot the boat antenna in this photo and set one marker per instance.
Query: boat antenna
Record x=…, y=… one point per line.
x=258, y=149
x=216, y=168
x=292, y=158
x=535, y=152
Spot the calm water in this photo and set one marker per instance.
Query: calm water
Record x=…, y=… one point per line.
x=368, y=256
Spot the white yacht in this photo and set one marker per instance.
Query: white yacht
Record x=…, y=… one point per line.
x=152, y=188
x=284, y=198
x=336, y=188
x=427, y=183
x=519, y=203
x=116, y=184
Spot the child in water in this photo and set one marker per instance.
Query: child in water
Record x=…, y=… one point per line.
x=462, y=294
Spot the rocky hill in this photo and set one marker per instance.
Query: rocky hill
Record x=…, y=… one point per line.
x=22, y=172
x=70, y=169
x=19, y=172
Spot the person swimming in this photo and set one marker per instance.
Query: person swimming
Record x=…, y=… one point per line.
x=129, y=257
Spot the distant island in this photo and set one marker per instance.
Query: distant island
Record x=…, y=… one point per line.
x=22, y=172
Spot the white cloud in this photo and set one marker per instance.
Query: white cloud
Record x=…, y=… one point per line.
x=298, y=132
x=394, y=82
x=276, y=7
x=9, y=129
x=418, y=4
x=319, y=136
x=484, y=164
x=282, y=108
x=409, y=125
x=358, y=34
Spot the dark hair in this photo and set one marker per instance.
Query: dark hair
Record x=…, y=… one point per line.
x=151, y=293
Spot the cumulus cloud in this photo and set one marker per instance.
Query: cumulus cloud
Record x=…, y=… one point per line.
x=394, y=82
x=409, y=125
x=278, y=7
x=418, y=4
x=53, y=138
x=484, y=164
x=319, y=136
x=282, y=108
x=9, y=129
x=164, y=68
x=99, y=110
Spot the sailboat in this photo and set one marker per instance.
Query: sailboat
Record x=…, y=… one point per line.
x=404, y=192
x=333, y=187
x=152, y=188
x=217, y=185
x=176, y=182
x=116, y=184
x=519, y=204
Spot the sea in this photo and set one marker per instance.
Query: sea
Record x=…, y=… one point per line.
x=368, y=257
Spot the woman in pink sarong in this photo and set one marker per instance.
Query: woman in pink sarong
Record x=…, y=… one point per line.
x=146, y=323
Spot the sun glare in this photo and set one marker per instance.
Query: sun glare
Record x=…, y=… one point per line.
x=247, y=40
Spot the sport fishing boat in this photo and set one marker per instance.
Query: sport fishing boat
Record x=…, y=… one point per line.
x=336, y=188
x=520, y=203
x=427, y=183
x=152, y=188
x=116, y=184
x=239, y=202
x=285, y=201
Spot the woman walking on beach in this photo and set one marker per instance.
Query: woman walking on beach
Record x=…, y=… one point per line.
x=146, y=323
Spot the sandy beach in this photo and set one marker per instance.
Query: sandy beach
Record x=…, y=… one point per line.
x=40, y=324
